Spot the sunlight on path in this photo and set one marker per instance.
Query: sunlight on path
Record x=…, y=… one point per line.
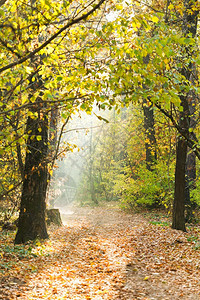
x=89, y=263
x=106, y=254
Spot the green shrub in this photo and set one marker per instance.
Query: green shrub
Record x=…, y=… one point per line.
x=148, y=188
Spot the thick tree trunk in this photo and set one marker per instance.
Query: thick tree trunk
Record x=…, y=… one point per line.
x=150, y=144
x=189, y=28
x=178, y=216
x=179, y=194
x=32, y=211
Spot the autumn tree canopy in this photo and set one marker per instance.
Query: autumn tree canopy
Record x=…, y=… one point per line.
x=59, y=57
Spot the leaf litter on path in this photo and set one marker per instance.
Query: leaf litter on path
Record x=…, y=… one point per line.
x=104, y=253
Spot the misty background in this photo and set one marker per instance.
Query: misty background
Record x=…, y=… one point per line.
x=81, y=135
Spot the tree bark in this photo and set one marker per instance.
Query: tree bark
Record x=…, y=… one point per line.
x=53, y=216
x=191, y=160
x=150, y=144
x=190, y=184
x=189, y=28
x=32, y=223
x=178, y=218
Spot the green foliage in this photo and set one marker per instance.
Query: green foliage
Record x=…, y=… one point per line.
x=119, y=168
x=195, y=240
x=195, y=192
x=147, y=188
x=195, y=189
x=160, y=223
x=136, y=56
x=192, y=238
x=13, y=252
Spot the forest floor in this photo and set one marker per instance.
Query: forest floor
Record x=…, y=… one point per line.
x=104, y=253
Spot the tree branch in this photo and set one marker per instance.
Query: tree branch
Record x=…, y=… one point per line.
x=2, y=2
x=9, y=48
x=31, y=54
x=191, y=143
x=10, y=190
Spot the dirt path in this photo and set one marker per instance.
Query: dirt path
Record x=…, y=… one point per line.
x=108, y=254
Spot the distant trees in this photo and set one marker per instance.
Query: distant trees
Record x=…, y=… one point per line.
x=166, y=34
x=168, y=79
x=150, y=142
x=119, y=165
x=97, y=171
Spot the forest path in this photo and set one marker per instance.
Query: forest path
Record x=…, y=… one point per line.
x=104, y=253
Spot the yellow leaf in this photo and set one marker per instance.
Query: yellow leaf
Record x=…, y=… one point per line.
x=167, y=67
x=39, y=138
x=155, y=19
x=29, y=70
x=119, y=6
x=171, y=6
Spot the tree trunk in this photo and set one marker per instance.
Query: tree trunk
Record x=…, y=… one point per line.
x=53, y=216
x=150, y=144
x=191, y=160
x=53, y=133
x=91, y=170
x=189, y=28
x=32, y=211
x=52, y=153
x=178, y=221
